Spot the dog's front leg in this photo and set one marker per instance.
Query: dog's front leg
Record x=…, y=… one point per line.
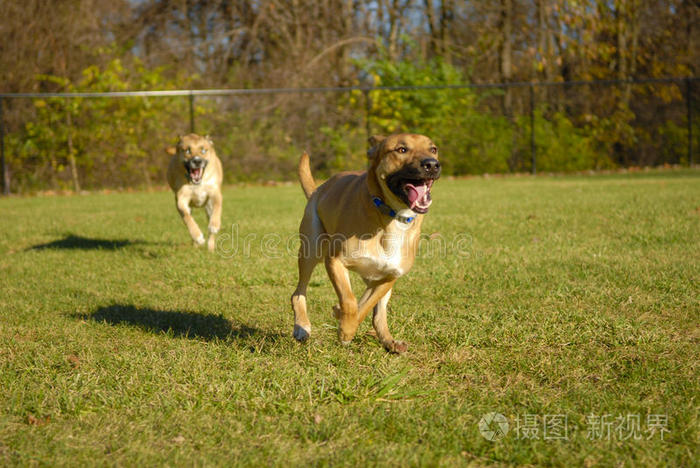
x=346, y=312
x=382, y=329
x=376, y=297
x=183, y=207
x=214, y=212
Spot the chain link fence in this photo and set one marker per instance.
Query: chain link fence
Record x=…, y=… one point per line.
x=117, y=139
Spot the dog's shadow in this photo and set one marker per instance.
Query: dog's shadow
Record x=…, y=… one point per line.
x=73, y=242
x=180, y=324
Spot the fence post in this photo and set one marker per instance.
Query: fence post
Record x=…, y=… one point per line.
x=71, y=151
x=533, y=153
x=689, y=118
x=3, y=163
x=191, y=112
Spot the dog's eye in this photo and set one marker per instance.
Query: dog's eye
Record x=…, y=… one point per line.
x=188, y=151
x=433, y=150
x=204, y=151
x=401, y=149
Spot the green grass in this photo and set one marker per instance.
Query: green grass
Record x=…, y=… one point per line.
x=120, y=343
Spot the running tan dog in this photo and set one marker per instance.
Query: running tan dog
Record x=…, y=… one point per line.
x=195, y=176
x=367, y=222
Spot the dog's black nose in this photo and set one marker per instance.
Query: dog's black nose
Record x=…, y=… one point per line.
x=196, y=161
x=431, y=166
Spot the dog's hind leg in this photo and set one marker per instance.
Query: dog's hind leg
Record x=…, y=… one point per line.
x=302, y=324
x=382, y=329
x=309, y=256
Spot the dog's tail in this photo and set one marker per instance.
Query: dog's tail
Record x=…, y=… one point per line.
x=307, y=180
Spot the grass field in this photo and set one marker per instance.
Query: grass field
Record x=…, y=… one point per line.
x=570, y=305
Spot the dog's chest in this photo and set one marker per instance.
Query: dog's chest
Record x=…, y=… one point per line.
x=382, y=257
x=199, y=196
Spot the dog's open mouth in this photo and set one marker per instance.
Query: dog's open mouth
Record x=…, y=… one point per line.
x=417, y=194
x=412, y=189
x=195, y=174
x=195, y=170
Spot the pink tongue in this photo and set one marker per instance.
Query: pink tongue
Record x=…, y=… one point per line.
x=418, y=196
x=195, y=172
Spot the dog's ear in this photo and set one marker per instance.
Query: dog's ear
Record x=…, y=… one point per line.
x=171, y=150
x=374, y=142
x=209, y=140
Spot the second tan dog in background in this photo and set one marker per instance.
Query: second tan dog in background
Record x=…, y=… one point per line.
x=195, y=176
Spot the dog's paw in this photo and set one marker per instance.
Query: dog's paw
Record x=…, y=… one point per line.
x=345, y=338
x=211, y=243
x=199, y=241
x=396, y=347
x=301, y=334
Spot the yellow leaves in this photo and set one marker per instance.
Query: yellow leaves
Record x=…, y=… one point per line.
x=91, y=72
x=355, y=97
x=669, y=93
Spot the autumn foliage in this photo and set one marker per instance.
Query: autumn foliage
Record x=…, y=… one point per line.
x=89, y=45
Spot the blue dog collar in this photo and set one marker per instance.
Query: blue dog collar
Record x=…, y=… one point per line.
x=386, y=209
